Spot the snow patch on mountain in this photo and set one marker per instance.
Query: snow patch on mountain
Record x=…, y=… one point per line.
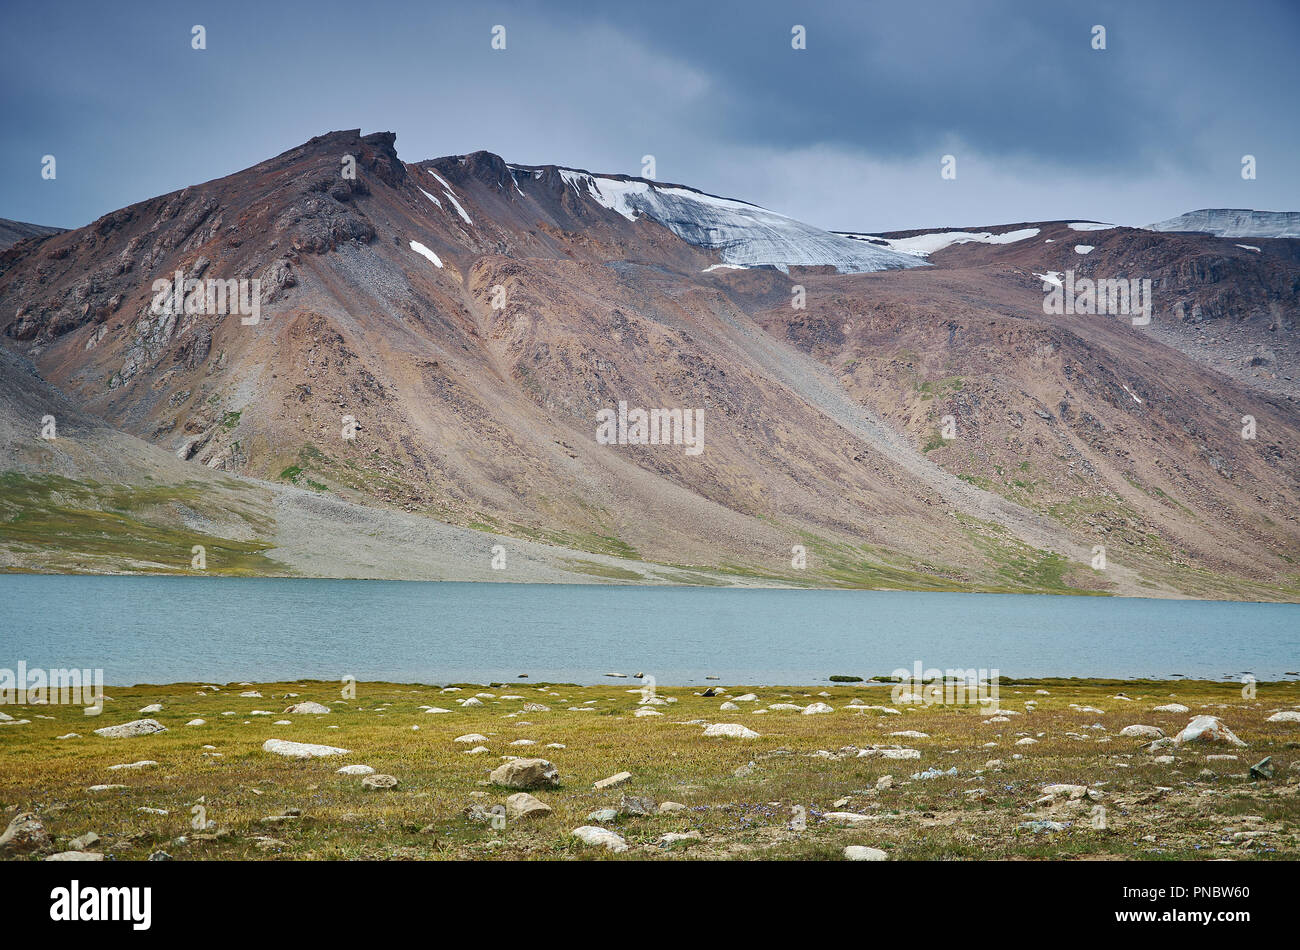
x=743, y=234
x=425, y=252
x=923, y=245
x=1235, y=222
x=1091, y=226
x=446, y=190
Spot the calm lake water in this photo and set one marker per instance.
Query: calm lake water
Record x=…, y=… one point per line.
x=166, y=629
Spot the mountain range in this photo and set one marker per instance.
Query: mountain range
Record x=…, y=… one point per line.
x=420, y=380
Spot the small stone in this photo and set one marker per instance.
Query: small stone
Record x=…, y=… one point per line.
x=1039, y=827
x=26, y=833
x=1207, y=729
x=379, y=781
x=313, y=709
x=602, y=837
x=522, y=806
x=1142, y=732
x=603, y=815
x=638, y=805
x=140, y=727
x=84, y=842
x=356, y=770
x=76, y=856
x=617, y=779
x=668, y=808
x=525, y=774
x=857, y=852
x=301, y=750
x=1263, y=769
x=152, y=708
x=677, y=837
x=733, y=730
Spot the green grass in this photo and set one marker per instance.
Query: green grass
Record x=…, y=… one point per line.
x=56, y=524
x=1155, y=811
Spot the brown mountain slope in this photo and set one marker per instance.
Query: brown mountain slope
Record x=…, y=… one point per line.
x=817, y=422
x=11, y=232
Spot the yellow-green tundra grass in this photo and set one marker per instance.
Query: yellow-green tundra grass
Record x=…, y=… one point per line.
x=263, y=806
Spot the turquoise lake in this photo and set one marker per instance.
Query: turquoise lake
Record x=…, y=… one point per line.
x=166, y=629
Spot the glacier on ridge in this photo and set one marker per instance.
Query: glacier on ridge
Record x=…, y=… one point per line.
x=743, y=234
x=1235, y=222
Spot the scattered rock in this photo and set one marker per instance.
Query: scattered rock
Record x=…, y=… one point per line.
x=312, y=709
x=638, y=805
x=1262, y=769
x=857, y=852
x=1040, y=826
x=1142, y=732
x=1284, y=716
x=76, y=856
x=617, y=779
x=525, y=774
x=301, y=750
x=817, y=708
x=84, y=842
x=379, y=781
x=591, y=835
x=140, y=727
x=846, y=817
x=1207, y=729
x=733, y=730
x=667, y=808
x=152, y=708
x=142, y=764
x=522, y=806
x=676, y=837
x=26, y=833
x=1172, y=708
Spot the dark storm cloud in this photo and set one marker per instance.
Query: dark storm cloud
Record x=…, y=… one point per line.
x=847, y=133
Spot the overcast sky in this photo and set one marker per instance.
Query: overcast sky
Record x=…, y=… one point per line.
x=847, y=134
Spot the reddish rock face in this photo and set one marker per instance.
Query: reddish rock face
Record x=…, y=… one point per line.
x=473, y=383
